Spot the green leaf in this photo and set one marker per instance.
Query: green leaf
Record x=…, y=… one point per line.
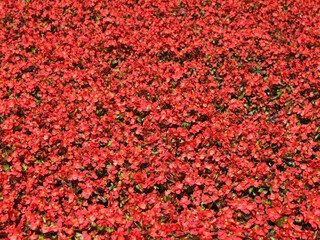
x=24, y=167
x=270, y=189
x=109, y=230
x=93, y=224
x=79, y=236
x=6, y=167
x=281, y=221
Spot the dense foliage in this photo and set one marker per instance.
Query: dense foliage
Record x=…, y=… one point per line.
x=143, y=119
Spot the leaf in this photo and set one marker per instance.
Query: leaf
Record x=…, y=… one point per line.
x=6, y=167
x=24, y=167
x=280, y=222
x=109, y=230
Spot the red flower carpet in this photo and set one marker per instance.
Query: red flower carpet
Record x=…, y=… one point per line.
x=153, y=119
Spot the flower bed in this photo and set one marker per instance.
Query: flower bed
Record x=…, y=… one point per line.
x=140, y=119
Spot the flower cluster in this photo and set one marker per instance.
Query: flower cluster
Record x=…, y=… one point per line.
x=167, y=119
